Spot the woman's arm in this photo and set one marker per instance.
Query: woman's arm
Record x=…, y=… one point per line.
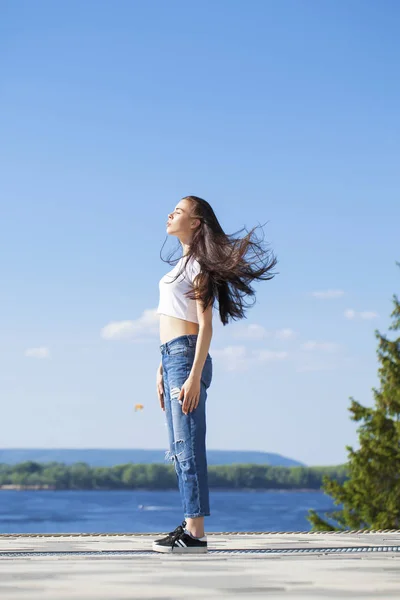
x=189, y=395
x=203, y=339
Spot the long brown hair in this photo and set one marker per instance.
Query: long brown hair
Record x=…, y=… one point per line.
x=226, y=270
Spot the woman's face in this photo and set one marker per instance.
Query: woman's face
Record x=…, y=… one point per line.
x=180, y=223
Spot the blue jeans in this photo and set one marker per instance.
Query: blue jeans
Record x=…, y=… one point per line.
x=187, y=433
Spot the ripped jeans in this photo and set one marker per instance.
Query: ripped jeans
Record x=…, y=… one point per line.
x=187, y=433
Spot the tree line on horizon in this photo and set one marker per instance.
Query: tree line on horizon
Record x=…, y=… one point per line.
x=159, y=476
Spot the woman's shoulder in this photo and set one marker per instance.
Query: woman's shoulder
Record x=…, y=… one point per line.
x=193, y=267
x=195, y=264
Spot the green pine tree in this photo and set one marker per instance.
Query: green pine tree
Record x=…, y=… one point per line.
x=370, y=497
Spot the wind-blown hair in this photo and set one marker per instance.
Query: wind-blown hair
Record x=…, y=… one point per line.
x=228, y=264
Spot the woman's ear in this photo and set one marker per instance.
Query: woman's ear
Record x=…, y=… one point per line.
x=195, y=222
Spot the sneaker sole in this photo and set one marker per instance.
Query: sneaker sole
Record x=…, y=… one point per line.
x=179, y=549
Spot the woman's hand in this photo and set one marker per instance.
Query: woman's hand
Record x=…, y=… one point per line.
x=191, y=392
x=160, y=388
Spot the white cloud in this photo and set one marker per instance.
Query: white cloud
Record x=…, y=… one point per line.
x=232, y=357
x=328, y=294
x=268, y=355
x=146, y=325
x=258, y=332
x=366, y=314
x=285, y=334
x=349, y=313
x=251, y=332
x=40, y=352
x=315, y=367
x=240, y=358
x=325, y=346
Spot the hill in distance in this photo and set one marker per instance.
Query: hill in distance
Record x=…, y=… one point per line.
x=109, y=457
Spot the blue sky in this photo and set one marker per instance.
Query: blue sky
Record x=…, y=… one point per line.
x=286, y=112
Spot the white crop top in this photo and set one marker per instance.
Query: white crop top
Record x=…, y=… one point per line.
x=173, y=302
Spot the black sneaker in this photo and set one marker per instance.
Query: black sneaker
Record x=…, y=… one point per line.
x=179, y=542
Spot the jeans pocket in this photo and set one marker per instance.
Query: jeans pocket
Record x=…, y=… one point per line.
x=180, y=350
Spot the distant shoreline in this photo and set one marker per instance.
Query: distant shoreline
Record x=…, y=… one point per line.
x=32, y=476
x=14, y=487
x=48, y=488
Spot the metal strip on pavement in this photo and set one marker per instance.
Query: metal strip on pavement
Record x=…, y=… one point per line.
x=345, y=532
x=132, y=553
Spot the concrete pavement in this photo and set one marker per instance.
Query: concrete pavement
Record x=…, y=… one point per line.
x=270, y=565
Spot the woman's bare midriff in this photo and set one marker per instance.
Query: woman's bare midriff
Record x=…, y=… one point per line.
x=172, y=327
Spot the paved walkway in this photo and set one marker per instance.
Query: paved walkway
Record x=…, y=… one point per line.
x=272, y=566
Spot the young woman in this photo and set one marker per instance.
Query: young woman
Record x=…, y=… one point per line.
x=213, y=266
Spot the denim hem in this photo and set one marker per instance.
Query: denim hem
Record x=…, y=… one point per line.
x=203, y=514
